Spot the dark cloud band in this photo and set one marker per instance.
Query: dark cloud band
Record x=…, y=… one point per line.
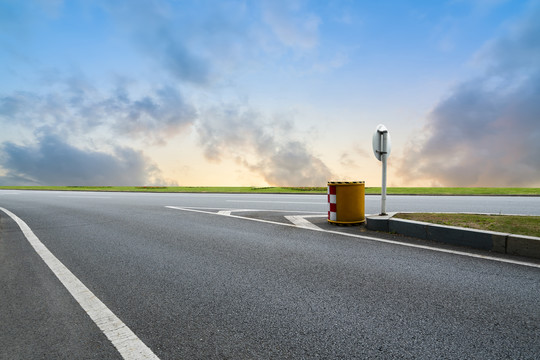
x=51, y=161
x=487, y=131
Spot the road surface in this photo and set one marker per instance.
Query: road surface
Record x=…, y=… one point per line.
x=223, y=276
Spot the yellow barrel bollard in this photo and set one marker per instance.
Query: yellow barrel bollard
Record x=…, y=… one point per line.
x=346, y=202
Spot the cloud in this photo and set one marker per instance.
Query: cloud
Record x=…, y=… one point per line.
x=182, y=63
x=242, y=134
x=18, y=104
x=189, y=48
x=162, y=33
x=51, y=161
x=76, y=107
x=201, y=43
x=292, y=26
x=353, y=157
x=292, y=164
x=487, y=131
x=164, y=114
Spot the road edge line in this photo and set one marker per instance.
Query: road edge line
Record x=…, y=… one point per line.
x=124, y=340
x=370, y=238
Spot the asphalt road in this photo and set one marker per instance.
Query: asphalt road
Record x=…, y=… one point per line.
x=194, y=284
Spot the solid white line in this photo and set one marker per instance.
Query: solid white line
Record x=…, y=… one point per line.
x=462, y=253
x=125, y=341
x=228, y=212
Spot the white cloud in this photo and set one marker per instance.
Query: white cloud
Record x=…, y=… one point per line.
x=290, y=24
x=487, y=131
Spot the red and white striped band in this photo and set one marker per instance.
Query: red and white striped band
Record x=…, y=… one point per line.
x=332, y=215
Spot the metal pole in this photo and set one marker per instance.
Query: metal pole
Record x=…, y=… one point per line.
x=383, y=160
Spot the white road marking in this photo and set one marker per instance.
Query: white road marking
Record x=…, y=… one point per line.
x=84, y=197
x=447, y=251
x=278, y=202
x=300, y=221
x=264, y=210
x=229, y=211
x=126, y=342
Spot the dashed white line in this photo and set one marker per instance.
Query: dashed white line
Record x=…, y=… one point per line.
x=126, y=342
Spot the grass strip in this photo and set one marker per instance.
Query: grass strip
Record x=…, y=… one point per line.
x=512, y=224
x=295, y=190
x=503, y=191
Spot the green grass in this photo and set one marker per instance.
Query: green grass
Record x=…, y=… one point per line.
x=513, y=224
x=308, y=190
x=455, y=191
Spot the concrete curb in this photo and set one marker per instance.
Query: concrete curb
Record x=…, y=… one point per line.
x=511, y=244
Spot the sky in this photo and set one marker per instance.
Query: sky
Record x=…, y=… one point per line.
x=269, y=93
